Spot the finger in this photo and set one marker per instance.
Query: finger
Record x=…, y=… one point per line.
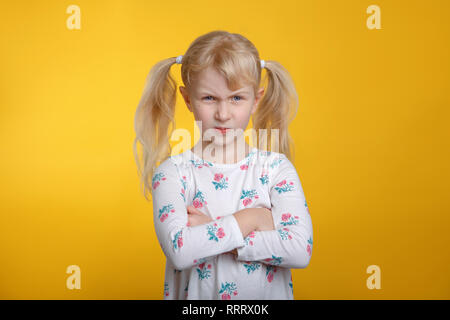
x=192, y=210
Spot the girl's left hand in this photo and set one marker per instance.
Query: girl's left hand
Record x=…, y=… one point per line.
x=196, y=217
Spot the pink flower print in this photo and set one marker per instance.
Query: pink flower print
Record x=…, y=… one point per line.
x=270, y=272
x=197, y=204
x=215, y=233
x=226, y=289
x=248, y=195
x=284, y=187
x=220, y=233
x=281, y=183
x=284, y=234
x=200, y=163
x=157, y=178
x=287, y=219
x=203, y=273
x=164, y=212
x=163, y=217
x=235, y=293
x=177, y=242
x=248, y=238
x=218, y=217
x=287, y=232
x=226, y=296
x=309, y=247
x=244, y=167
x=220, y=182
x=270, y=277
x=199, y=200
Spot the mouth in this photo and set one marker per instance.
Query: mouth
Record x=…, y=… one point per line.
x=222, y=129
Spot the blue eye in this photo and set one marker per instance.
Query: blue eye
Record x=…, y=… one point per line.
x=212, y=98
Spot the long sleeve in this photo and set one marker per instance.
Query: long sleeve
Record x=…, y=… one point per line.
x=290, y=244
x=184, y=246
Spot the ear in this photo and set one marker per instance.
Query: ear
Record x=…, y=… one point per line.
x=258, y=97
x=186, y=97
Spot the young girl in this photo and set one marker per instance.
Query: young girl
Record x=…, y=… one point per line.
x=232, y=227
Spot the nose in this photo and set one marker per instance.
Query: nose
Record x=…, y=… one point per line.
x=222, y=112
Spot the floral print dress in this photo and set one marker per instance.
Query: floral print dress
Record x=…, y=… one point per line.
x=199, y=264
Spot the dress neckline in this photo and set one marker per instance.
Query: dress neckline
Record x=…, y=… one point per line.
x=191, y=155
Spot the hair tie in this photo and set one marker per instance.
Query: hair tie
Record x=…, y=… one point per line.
x=263, y=64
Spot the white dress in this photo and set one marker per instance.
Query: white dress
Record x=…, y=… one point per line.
x=198, y=265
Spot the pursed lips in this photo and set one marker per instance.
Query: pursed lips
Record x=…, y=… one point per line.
x=222, y=129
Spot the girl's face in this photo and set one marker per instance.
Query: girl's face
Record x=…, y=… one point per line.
x=215, y=105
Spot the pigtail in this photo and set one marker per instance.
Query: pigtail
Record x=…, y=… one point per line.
x=277, y=108
x=154, y=114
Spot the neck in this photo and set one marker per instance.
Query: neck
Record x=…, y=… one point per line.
x=218, y=154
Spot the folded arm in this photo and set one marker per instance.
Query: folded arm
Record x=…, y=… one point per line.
x=290, y=244
x=185, y=245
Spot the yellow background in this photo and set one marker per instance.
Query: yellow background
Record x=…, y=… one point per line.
x=371, y=141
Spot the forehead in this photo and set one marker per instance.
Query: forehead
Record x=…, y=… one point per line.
x=210, y=80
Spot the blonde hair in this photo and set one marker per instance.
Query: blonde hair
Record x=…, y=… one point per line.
x=237, y=59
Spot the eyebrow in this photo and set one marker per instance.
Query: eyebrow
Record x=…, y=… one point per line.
x=205, y=91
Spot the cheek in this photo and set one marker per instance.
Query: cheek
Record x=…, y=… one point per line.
x=243, y=116
x=203, y=114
